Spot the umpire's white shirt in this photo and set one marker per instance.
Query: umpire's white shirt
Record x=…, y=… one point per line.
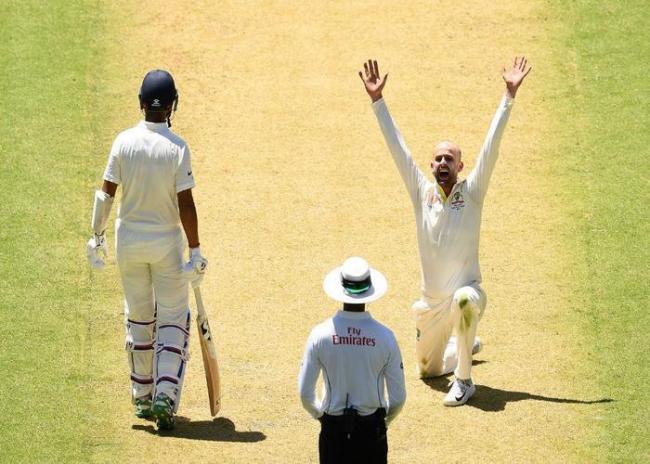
x=358, y=357
x=152, y=164
x=447, y=227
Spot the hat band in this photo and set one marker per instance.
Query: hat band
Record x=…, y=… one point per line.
x=352, y=287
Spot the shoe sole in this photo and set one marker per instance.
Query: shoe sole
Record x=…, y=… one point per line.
x=164, y=421
x=453, y=405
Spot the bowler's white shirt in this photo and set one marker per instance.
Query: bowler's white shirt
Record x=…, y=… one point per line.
x=152, y=164
x=358, y=356
x=447, y=227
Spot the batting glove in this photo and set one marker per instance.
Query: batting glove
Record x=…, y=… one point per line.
x=195, y=268
x=96, y=251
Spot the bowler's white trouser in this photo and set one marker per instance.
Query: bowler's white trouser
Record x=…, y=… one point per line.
x=156, y=310
x=437, y=352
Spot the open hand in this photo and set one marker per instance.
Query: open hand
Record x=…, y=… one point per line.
x=372, y=80
x=515, y=76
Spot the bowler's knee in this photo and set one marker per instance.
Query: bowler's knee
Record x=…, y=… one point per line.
x=466, y=301
x=428, y=369
x=428, y=363
x=465, y=298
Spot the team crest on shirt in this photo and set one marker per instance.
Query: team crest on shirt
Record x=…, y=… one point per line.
x=457, y=201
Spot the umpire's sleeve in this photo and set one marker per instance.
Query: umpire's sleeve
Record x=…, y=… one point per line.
x=395, y=384
x=309, y=372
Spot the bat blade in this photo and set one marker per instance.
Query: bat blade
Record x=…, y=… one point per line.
x=209, y=355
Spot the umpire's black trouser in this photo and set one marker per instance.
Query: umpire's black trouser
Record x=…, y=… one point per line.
x=357, y=440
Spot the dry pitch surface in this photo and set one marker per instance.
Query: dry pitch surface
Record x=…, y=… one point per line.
x=293, y=176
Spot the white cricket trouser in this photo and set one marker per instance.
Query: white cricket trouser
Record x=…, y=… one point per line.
x=156, y=309
x=437, y=352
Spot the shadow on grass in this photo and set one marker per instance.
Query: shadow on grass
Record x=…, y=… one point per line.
x=219, y=429
x=494, y=399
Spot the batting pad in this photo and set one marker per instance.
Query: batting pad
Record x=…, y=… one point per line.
x=172, y=354
x=139, y=345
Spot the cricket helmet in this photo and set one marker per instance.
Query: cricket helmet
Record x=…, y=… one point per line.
x=158, y=90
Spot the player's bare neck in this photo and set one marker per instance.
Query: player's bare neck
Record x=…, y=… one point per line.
x=155, y=116
x=354, y=308
x=447, y=187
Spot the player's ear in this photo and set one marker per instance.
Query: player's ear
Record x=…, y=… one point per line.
x=460, y=166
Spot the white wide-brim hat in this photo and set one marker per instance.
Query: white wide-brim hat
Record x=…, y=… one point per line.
x=355, y=282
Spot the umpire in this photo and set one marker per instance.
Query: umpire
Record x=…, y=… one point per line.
x=358, y=357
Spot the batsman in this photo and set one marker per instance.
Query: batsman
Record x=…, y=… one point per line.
x=153, y=166
x=448, y=221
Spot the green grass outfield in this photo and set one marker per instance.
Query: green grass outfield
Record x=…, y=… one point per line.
x=604, y=123
x=52, y=53
x=54, y=320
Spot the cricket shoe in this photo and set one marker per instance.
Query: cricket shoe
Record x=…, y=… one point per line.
x=143, y=407
x=459, y=393
x=163, y=412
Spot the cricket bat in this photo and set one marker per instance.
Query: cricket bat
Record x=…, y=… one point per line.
x=209, y=354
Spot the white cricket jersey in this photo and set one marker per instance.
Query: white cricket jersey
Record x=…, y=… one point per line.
x=358, y=357
x=153, y=164
x=447, y=227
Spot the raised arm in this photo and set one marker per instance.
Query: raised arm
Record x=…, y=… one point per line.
x=479, y=178
x=411, y=174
